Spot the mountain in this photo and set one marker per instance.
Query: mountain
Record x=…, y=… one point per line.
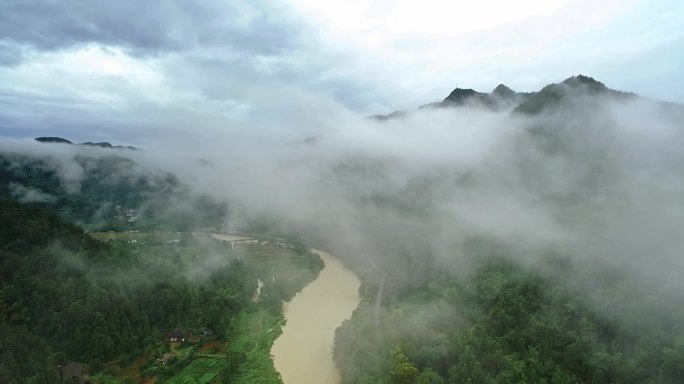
x=500, y=98
x=397, y=114
x=106, y=191
x=53, y=139
x=103, y=144
x=553, y=96
x=503, y=91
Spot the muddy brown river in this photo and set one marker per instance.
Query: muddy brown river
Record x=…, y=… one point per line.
x=303, y=353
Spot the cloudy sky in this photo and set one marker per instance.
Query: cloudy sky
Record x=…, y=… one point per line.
x=128, y=71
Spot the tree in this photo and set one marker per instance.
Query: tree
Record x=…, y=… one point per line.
x=403, y=371
x=428, y=376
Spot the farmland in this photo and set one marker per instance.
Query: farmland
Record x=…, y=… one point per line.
x=200, y=371
x=239, y=354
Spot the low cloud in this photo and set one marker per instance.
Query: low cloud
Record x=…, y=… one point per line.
x=25, y=194
x=586, y=182
x=596, y=182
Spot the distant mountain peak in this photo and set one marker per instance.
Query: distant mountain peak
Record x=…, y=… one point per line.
x=586, y=82
x=459, y=95
x=503, y=91
x=53, y=139
x=554, y=96
x=550, y=97
x=103, y=144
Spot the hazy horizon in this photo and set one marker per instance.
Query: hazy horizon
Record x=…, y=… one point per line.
x=281, y=70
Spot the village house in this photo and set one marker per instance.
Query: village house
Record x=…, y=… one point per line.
x=125, y=214
x=73, y=373
x=175, y=336
x=165, y=358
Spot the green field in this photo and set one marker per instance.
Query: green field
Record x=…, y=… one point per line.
x=289, y=270
x=285, y=272
x=255, y=335
x=199, y=371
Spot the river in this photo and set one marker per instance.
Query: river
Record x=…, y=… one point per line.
x=303, y=353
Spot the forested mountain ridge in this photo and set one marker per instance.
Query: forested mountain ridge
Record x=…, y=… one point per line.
x=546, y=100
x=102, y=144
x=24, y=228
x=106, y=191
x=137, y=309
x=65, y=296
x=554, y=95
x=553, y=256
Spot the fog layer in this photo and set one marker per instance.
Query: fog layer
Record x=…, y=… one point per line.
x=596, y=178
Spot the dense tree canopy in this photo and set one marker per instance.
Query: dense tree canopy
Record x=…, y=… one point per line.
x=507, y=324
x=66, y=296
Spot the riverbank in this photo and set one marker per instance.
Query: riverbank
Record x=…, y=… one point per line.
x=238, y=351
x=303, y=353
x=283, y=272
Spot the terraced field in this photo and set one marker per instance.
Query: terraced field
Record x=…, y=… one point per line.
x=287, y=269
x=200, y=371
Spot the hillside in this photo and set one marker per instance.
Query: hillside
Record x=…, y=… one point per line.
x=103, y=144
x=106, y=191
x=541, y=248
x=574, y=89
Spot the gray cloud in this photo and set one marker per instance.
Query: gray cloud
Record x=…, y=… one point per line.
x=231, y=58
x=10, y=53
x=149, y=27
x=222, y=64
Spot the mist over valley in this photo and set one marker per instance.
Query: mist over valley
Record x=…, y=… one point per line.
x=370, y=193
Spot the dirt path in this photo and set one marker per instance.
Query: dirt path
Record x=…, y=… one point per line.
x=229, y=237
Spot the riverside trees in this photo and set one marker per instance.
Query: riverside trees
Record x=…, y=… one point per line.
x=508, y=324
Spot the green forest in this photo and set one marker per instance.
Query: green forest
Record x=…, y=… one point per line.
x=110, y=192
x=66, y=296
x=505, y=323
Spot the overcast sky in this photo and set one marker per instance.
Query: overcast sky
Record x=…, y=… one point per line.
x=127, y=71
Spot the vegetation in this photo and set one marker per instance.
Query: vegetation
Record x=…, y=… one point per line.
x=107, y=193
x=520, y=311
x=201, y=371
x=506, y=324
x=66, y=296
x=284, y=273
x=554, y=96
x=256, y=331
